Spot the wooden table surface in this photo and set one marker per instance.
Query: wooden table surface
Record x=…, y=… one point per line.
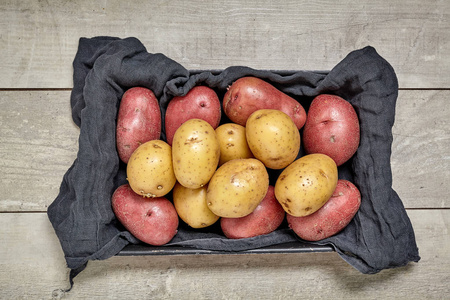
x=38, y=140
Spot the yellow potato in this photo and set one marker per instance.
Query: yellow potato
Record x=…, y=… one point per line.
x=195, y=153
x=237, y=188
x=306, y=184
x=149, y=169
x=233, y=142
x=273, y=138
x=191, y=206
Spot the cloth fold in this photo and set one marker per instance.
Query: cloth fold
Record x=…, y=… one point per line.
x=379, y=237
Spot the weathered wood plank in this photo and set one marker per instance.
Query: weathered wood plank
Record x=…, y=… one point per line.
x=421, y=149
x=32, y=266
x=39, y=39
x=38, y=143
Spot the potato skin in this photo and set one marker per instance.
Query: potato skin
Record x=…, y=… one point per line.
x=237, y=188
x=153, y=221
x=273, y=138
x=201, y=102
x=150, y=171
x=332, y=128
x=233, y=142
x=266, y=217
x=195, y=153
x=191, y=206
x=138, y=121
x=249, y=94
x=306, y=184
x=332, y=217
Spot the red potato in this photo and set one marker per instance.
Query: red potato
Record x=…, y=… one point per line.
x=332, y=128
x=151, y=220
x=249, y=94
x=332, y=217
x=267, y=217
x=138, y=121
x=201, y=102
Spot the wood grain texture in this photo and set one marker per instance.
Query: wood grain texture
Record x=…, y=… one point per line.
x=39, y=39
x=39, y=142
x=33, y=252
x=421, y=149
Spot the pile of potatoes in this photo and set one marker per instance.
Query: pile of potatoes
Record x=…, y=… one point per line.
x=207, y=170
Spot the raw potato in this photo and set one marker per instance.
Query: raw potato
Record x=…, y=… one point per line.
x=237, y=188
x=306, y=184
x=249, y=94
x=138, y=121
x=273, y=138
x=153, y=221
x=150, y=171
x=332, y=217
x=233, y=142
x=266, y=218
x=195, y=153
x=201, y=102
x=191, y=206
x=332, y=128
